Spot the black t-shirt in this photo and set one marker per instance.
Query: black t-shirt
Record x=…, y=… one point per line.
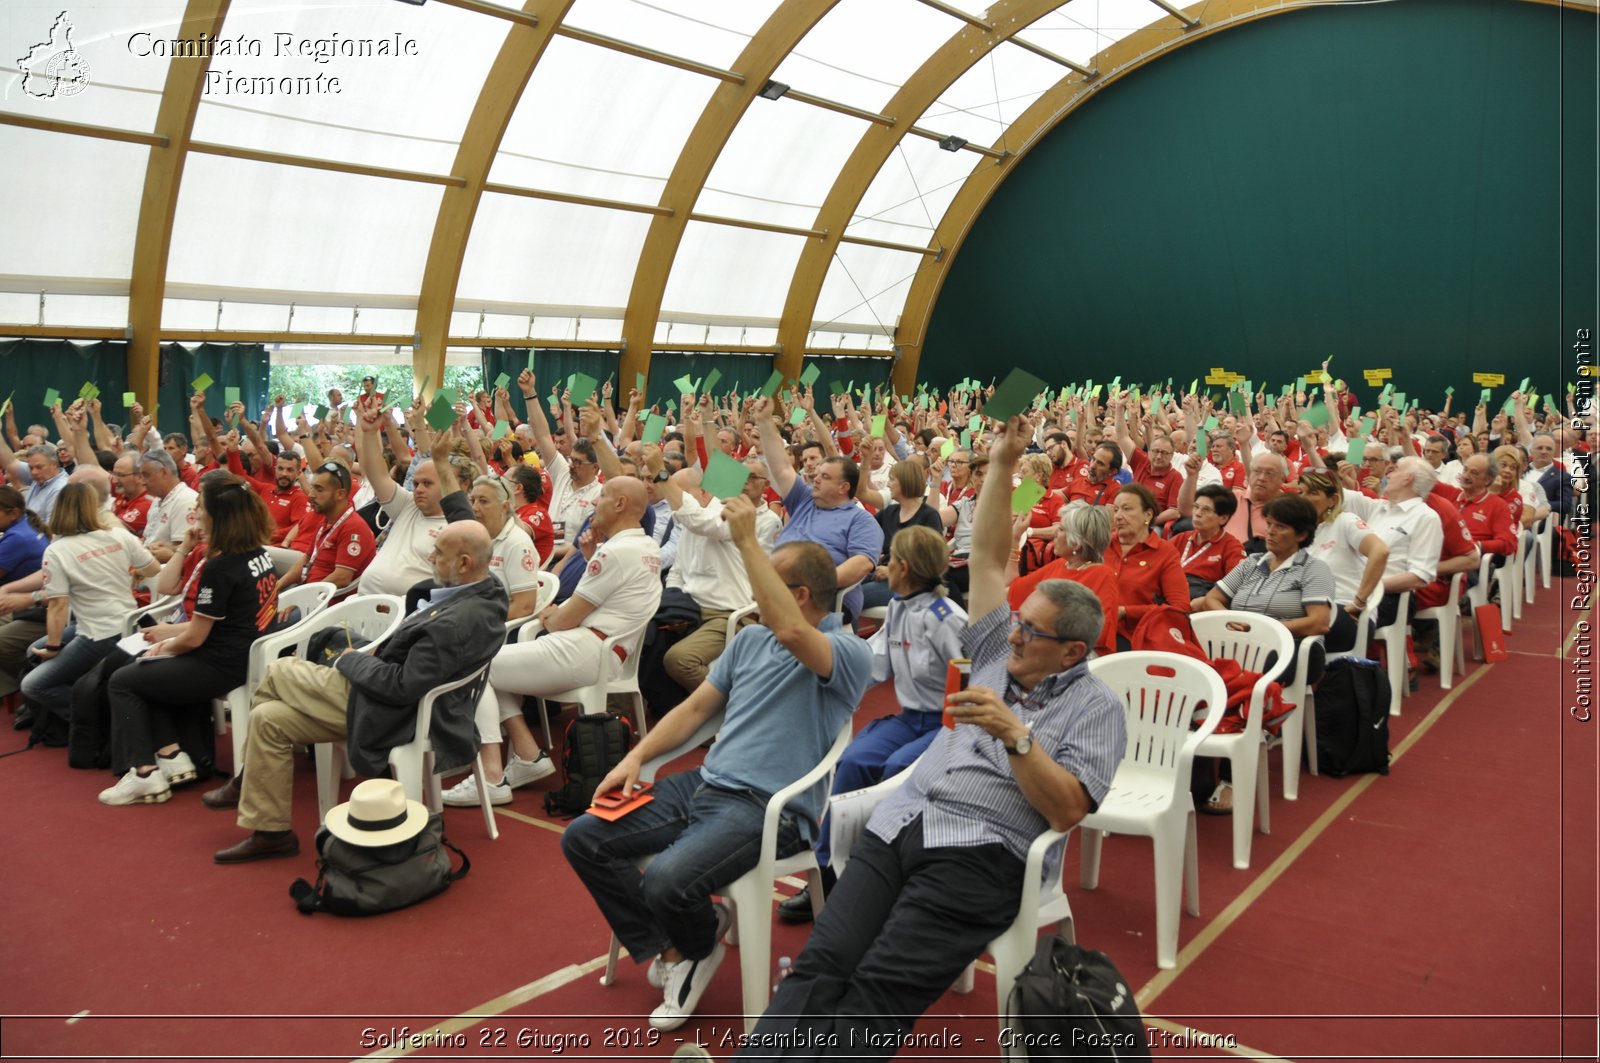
x=889, y=521
x=239, y=593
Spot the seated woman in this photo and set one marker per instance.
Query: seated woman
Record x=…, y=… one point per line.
x=1287, y=584
x=1082, y=535
x=86, y=570
x=908, y=485
x=202, y=658
x=1036, y=544
x=1207, y=552
x=1148, y=569
x=920, y=636
x=1354, y=555
x=23, y=538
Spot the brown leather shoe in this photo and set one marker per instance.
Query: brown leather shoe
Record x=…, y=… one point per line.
x=257, y=847
x=224, y=796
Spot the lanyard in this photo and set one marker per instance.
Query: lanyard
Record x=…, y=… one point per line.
x=1187, y=556
x=326, y=532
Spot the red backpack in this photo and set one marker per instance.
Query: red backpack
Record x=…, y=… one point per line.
x=1167, y=630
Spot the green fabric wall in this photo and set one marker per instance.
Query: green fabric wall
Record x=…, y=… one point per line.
x=31, y=366
x=1406, y=185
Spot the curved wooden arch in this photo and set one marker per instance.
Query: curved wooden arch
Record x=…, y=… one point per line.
x=776, y=38
x=158, y=205
x=964, y=50
x=502, y=90
x=1048, y=111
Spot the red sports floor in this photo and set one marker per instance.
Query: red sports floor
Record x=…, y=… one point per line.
x=1446, y=911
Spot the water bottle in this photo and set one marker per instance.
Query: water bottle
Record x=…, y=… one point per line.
x=784, y=964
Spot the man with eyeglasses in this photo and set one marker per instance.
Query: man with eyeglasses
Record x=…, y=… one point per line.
x=574, y=480
x=937, y=873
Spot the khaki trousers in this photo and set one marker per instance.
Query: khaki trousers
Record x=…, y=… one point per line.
x=689, y=661
x=298, y=703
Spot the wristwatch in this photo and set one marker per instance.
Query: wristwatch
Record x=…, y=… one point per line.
x=662, y=477
x=1022, y=748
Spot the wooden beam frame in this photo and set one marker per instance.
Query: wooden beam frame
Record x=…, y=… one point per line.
x=503, y=86
x=158, y=205
x=83, y=129
x=784, y=28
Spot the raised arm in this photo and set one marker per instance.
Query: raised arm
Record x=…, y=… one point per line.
x=536, y=418
x=369, y=449
x=589, y=422
x=772, y=448
x=991, y=521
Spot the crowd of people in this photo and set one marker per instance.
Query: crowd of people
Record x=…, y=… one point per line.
x=878, y=536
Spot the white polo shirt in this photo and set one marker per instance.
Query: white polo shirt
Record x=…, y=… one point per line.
x=513, y=560
x=1410, y=529
x=570, y=504
x=709, y=568
x=92, y=570
x=623, y=582
x=171, y=517
x=402, y=561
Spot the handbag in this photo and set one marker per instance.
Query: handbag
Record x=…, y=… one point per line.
x=369, y=880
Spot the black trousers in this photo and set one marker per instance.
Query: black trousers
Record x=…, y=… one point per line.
x=902, y=923
x=149, y=697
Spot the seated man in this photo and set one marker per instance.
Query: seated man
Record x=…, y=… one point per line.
x=938, y=871
x=786, y=688
x=620, y=589
x=371, y=697
x=416, y=517
x=339, y=546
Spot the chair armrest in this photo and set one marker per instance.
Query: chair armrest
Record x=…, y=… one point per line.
x=1033, y=873
x=164, y=603
x=777, y=802
x=425, y=707
x=845, y=829
x=647, y=771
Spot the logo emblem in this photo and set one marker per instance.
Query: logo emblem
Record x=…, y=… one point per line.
x=354, y=549
x=53, y=68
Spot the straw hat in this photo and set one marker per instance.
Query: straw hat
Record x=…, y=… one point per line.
x=377, y=813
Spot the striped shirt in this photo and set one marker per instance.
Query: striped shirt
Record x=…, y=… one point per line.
x=963, y=787
x=1281, y=593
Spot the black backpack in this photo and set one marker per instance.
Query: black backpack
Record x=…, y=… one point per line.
x=1353, y=718
x=594, y=744
x=1071, y=1003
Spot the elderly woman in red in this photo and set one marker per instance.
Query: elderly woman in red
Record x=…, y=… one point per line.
x=1148, y=569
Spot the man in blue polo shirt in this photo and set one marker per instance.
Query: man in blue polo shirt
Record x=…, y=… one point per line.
x=786, y=686
x=823, y=512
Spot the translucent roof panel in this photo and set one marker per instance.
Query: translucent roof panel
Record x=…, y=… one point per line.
x=72, y=210
x=780, y=162
x=600, y=123
x=294, y=230
x=726, y=273
x=553, y=256
x=367, y=81
x=862, y=51
x=866, y=288
x=910, y=194
x=708, y=31
x=115, y=78
x=992, y=94
x=1081, y=29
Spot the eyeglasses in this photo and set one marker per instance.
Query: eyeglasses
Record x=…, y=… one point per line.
x=1029, y=632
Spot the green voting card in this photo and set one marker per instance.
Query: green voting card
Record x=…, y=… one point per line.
x=1014, y=395
x=684, y=385
x=655, y=426
x=582, y=386
x=809, y=375
x=128, y=399
x=501, y=430
x=202, y=382
x=442, y=414
x=1317, y=414
x=879, y=424
x=711, y=381
x=51, y=397
x=230, y=395
x=770, y=388
x=638, y=383
x=502, y=380
x=1356, y=451
x=798, y=415
x=724, y=477
x=1026, y=496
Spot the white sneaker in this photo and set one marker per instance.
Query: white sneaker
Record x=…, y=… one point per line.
x=177, y=768
x=520, y=772
x=132, y=790
x=464, y=794
x=685, y=981
x=656, y=973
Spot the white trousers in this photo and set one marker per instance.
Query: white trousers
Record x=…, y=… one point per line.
x=549, y=664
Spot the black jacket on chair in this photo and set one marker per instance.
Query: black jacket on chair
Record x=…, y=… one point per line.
x=435, y=645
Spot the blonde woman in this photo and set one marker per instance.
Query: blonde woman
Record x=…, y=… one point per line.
x=86, y=570
x=918, y=639
x=1035, y=531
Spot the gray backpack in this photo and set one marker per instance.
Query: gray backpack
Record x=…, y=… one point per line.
x=366, y=880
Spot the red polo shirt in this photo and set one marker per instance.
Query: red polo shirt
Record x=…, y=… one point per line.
x=1165, y=485
x=134, y=513
x=1232, y=473
x=1149, y=570
x=1488, y=518
x=1097, y=578
x=1208, y=561
x=1457, y=543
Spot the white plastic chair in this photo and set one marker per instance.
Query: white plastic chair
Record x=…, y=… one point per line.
x=1452, y=649
x=1248, y=638
x=1395, y=660
x=1543, y=544
x=1150, y=792
x=158, y=610
x=412, y=763
x=547, y=588
x=311, y=599
x=591, y=697
x=750, y=895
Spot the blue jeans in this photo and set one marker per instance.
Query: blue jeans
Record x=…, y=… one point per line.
x=49, y=686
x=882, y=750
x=705, y=837
x=875, y=593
